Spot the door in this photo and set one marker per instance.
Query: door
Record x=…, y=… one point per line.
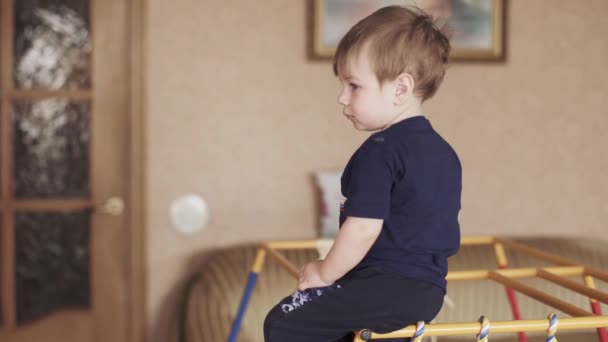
x=65, y=246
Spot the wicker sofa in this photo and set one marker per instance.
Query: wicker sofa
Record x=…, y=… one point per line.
x=212, y=300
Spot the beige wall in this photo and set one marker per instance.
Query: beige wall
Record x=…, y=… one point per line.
x=238, y=114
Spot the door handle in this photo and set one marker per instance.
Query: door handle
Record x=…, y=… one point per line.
x=113, y=206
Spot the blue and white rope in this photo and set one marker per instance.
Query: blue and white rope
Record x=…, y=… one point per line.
x=552, y=329
x=484, y=330
x=419, y=334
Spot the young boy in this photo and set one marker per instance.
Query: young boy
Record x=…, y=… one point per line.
x=401, y=188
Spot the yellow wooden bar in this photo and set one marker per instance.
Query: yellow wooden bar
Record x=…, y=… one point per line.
x=501, y=260
x=552, y=258
x=258, y=263
x=595, y=307
x=540, y=296
x=451, y=329
x=574, y=286
x=476, y=240
x=590, y=283
x=311, y=244
x=304, y=244
x=291, y=268
x=501, y=256
x=467, y=275
x=565, y=270
x=536, y=253
x=514, y=273
x=596, y=273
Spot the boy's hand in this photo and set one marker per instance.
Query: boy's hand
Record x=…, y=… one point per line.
x=310, y=276
x=355, y=237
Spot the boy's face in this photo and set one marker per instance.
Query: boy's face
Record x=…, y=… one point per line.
x=367, y=104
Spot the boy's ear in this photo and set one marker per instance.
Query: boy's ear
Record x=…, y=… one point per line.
x=404, y=87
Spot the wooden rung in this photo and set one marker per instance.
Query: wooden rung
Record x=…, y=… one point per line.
x=596, y=273
x=306, y=244
x=291, y=268
x=476, y=240
x=501, y=256
x=467, y=275
x=552, y=258
x=574, y=286
x=452, y=329
x=540, y=296
x=514, y=273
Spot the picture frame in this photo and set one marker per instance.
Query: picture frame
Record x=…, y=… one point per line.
x=476, y=27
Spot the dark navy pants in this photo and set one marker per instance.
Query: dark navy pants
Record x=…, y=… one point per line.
x=365, y=299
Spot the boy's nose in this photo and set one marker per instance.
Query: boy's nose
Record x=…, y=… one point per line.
x=342, y=99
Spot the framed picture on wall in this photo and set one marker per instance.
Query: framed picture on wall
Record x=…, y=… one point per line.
x=476, y=27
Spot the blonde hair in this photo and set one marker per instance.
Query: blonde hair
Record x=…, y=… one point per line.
x=401, y=39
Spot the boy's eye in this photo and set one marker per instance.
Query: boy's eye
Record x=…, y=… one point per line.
x=354, y=86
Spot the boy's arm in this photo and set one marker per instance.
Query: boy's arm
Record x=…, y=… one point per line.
x=355, y=237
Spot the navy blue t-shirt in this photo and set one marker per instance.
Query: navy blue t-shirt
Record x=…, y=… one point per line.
x=410, y=177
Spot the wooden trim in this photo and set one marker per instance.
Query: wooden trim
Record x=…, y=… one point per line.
x=88, y=94
x=9, y=295
x=93, y=249
x=8, y=230
x=51, y=205
x=111, y=302
x=92, y=44
x=27, y=94
x=137, y=173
